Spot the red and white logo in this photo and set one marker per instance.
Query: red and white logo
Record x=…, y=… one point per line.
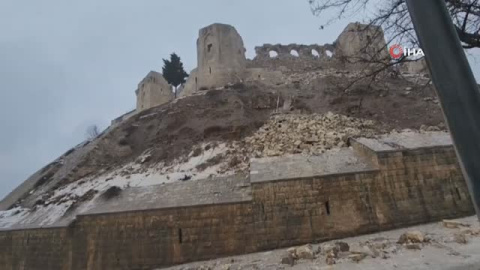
x=397, y=51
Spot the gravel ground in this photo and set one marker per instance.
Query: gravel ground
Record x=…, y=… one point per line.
x=441, y=250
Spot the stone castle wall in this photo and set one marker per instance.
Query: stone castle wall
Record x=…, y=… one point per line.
x=220, y=59
x=221, y=56
x=40, y=248
x=357, y=45
x=294, y=57
x=404, y=187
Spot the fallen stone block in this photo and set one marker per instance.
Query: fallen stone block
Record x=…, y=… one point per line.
x=357, y=257
x=413, y=246
x=460, y=238
x=452, y=224
x=342, y=246
x=305, y=252
x=411, y=237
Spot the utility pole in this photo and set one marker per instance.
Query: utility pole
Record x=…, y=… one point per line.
x=456, y=86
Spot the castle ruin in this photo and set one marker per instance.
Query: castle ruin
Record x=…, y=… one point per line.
x=153, y=91
x=221, y=61
x=360, y=41
x=220, y=58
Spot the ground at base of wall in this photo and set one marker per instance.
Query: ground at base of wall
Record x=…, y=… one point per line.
x=445, y=245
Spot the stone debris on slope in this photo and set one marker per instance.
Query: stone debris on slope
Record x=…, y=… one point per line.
x=282, y=134
x=305, y=134
x=312, y=134
x=308, y=77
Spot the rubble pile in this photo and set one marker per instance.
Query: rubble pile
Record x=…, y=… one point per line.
x=306, y=134
x=308, y=77
x=285, y=134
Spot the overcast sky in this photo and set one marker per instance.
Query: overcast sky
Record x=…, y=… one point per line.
x=65, y=65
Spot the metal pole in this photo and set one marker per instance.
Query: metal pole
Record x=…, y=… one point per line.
x=455, y=84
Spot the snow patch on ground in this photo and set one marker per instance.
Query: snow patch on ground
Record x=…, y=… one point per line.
x=76, y=195
x=12, y=216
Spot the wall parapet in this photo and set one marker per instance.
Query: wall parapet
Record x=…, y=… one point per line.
x=313, y=51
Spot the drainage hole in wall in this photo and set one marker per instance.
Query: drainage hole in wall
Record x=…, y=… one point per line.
x=180, y=236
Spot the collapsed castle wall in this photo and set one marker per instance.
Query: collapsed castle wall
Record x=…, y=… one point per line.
x=295, y=50
x=293, y=57
x=153, y=91
x=405, y=187
x=221, y=56
x=357, y=45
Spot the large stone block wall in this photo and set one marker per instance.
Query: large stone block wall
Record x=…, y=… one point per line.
x=408, y=187
x=411, y=187
x=312, y=209
x=358, y=46
x=154, y=238
x=421, y=185
x=36, y=249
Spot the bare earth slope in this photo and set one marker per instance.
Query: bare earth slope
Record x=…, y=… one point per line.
x=215, y=132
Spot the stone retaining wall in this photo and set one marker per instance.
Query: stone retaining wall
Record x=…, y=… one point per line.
x=408, y=186
x=45, y=248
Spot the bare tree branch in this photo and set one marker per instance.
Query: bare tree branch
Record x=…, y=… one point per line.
x=92, y=132
x=393, y=17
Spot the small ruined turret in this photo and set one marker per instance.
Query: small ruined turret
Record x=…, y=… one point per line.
x=362, y=42
x=220, y=57
x=153, y=91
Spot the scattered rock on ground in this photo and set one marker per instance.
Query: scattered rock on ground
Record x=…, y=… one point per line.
x=295, y=253
x=460, y=238
x=472, y=232
x=357, y=257
x=288, y=259
x=305, y=252
x=411, y=237
x=452, y=224
x=371, y=251
x=292, y=251
x=413, y=246
x=342, y=246
x=330, y=260
x=223, y=267
x=365, y=250
x=330, y=250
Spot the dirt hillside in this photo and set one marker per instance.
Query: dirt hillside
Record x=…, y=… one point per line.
x=215, y=132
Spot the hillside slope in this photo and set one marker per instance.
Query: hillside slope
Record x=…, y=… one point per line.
x=215, y=132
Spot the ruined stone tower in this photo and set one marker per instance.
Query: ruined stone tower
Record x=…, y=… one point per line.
x=153, y=91
x=220, y=58
x=362, y=41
